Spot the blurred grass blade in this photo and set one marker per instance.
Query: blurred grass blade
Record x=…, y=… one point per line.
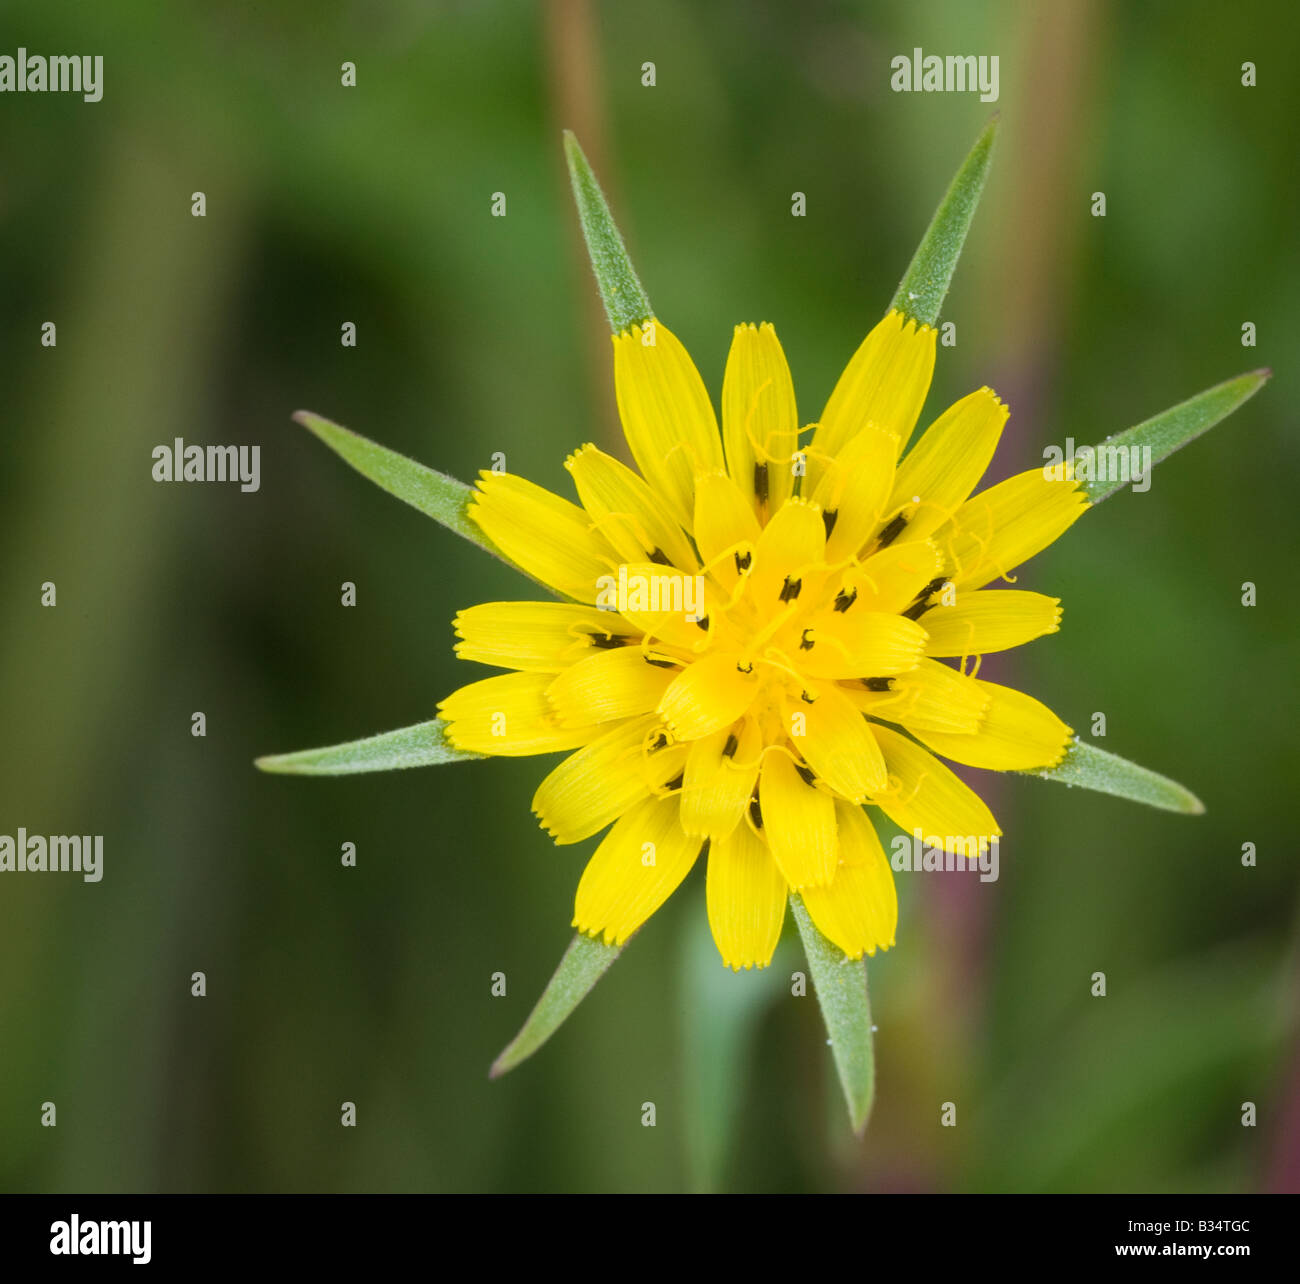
x=721, y=1011
x=921, y=292
x=423, y=745
x=841, y=986
x=1168, y=432
x=1091, y=768
x=584, y=963
x=620, y=288
x=435, y=494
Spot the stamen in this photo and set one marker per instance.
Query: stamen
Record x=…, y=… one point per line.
x=922, y=604
x=893, y=530
x=845, y=600
x=742, y=562
x=805, y=773
x=660, y=662
x=756, y=812
x=729, y=749
x=760, y=482
x=790, y=589
x=605, y=641
x=878, y=684
x=805, y=642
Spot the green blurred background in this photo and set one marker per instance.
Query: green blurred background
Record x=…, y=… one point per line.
x=479, y=334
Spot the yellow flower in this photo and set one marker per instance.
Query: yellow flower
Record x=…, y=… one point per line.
x=762, y=639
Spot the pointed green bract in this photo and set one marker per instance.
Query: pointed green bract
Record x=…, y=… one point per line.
x=1169, y=431
x=424, y=745
x=584, y=963
x=435, y=494
x=621, y=292
x=921, y=292
x=1091, y=768
x=841, y=985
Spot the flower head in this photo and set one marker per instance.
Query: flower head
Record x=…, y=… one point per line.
x=767, y=631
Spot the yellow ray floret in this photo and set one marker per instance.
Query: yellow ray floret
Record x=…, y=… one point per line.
x=884, y=384
x=760, y=425
x=595, y=786
x=667, y=416
x=1015, y=733
x=721, y=772
x=509, y=715
x=542, y=636
x=858, y=908
x=798, y=821
x=989, y=620
x=940, y=471
x=764, y=638
x=995, y=531
x=627, y=512
x=927, y=796
x=746, y=899
x=552, y=539
x=638, y=867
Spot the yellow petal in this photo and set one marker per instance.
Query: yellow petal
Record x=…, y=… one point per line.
x=932, y=696
x=790, y=552
x=760, y=425
x=726, y=530
x=509, y=715
x=860, y=644
x=858, y=909
x=798, y=821
x=891, y=579
x=547, y=536
x=925, y=795
x=1017, y=733
x=706, y=696
x=989, y=620
x=746, y=898
x=946, y=463
x=542, y=636
x=595, y=786
x=996, y=530
x=884, y=384
x=721, y=771
x=627, y=512
x=608, y=685
x=667, y=416
x=837, y=744
x=635, y=869
x=853, y=490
